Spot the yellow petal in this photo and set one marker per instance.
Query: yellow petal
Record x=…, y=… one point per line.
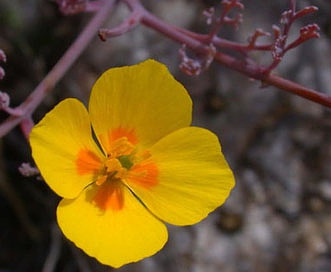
x=142, y=100
x=193, y=177
x=126, y=232
x=64, y=150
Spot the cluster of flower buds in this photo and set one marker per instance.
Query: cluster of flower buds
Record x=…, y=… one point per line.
x=228, y=6
x=194, y=66
x=278, y=46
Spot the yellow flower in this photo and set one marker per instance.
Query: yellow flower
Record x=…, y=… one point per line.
x=142, y=165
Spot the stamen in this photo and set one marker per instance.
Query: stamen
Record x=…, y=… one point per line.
x=121, y=147
x=101, y=180
x=123, y=163
x=115, y=168
x=113, y=165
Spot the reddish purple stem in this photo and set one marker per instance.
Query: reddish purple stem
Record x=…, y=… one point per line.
x=65, y=62
x=251, y=70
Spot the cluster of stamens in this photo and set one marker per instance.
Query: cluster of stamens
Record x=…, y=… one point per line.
x=118, y=162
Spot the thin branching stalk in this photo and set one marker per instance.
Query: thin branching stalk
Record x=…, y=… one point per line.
x=205, y=47
x=60, y=68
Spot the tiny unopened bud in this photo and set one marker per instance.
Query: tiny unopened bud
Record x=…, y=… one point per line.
x=2, y=73
x=310, y=31
x=4, y=100
x=305, y=11
x=3, y=57
x=286, y=17
x=27, y=170
x=209, y=14
x=190, y=67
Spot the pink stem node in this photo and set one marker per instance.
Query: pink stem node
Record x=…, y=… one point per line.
x=4, y=105
x=252, y=40
x=26, y=126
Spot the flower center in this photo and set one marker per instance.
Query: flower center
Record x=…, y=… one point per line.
x=123, y=165
x=119, y=160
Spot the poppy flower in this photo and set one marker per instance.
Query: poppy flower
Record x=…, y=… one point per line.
x=129, y=164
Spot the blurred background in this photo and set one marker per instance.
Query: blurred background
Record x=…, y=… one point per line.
x=278, y=145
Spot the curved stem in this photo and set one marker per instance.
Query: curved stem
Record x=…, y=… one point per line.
x=223, y=43
x=128, y=24
x=299, y=90
x=60, y=68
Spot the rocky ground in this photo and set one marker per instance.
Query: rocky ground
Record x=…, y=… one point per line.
x=279, y=146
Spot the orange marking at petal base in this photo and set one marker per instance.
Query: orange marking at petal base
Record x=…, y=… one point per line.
x=87, y=162
x=109, y=196
x=144, y=174
x=109, y=139
x=123, y=132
